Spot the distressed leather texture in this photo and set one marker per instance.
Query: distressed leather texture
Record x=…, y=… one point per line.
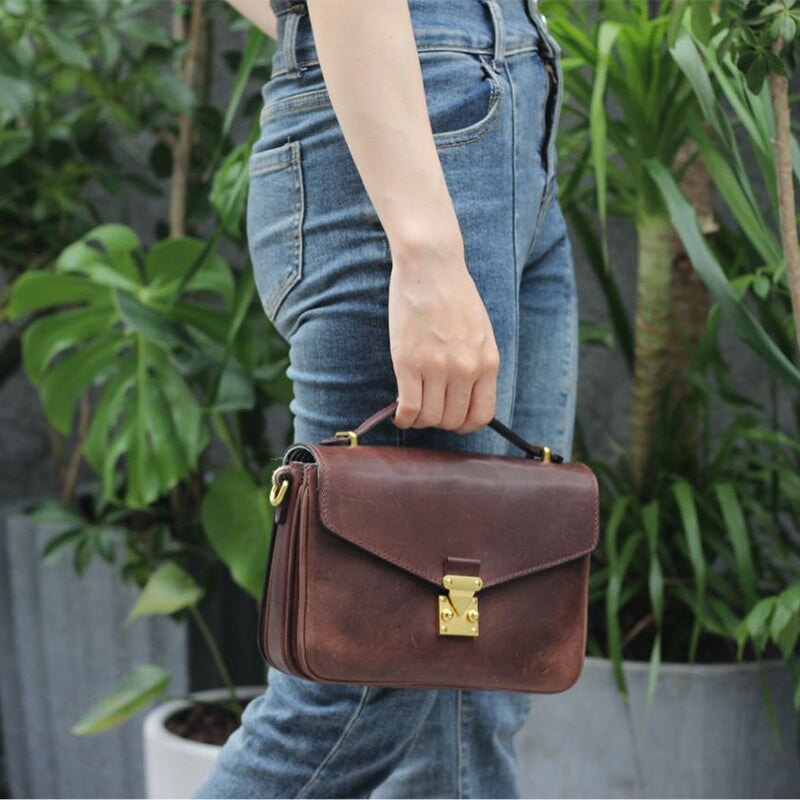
x=362, y=541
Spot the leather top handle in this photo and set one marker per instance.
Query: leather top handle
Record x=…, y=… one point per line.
x=535, y=451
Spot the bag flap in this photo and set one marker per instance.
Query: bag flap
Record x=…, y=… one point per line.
x=515, y=516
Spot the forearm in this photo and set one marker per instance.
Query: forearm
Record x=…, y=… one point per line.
x=369, y=60
x=259, y=13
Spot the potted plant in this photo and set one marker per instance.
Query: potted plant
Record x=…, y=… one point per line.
x=698, y=516
x=185, y=415
x=169, y=349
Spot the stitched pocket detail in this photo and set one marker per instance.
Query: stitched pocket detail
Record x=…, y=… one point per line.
x=275, y=211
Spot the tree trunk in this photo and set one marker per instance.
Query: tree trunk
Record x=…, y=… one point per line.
x=779, y=94
x=690, y=300
x=652, y=331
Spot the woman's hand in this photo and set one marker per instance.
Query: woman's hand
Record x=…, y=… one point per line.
x=443, y=348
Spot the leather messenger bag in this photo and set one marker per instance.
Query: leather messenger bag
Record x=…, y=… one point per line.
x=406, y=567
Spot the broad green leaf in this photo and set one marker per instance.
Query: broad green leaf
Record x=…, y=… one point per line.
x=168, y=590
x=211, y=322
x=237, y=520
x=106, y=441
x=65, y=50
x=144, y=684
x=171, y=91
x=102, y=252
x=190, y=428
x=156, y=458
x=45, y=338
x=35, y=291
x=62, y=386
x=183, y=260
x=151, y=324
x=18, y=97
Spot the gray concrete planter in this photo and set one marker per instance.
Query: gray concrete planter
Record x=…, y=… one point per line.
x=707, y=734
x=62, y=646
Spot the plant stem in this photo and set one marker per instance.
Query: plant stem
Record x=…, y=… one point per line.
x=787, y=214
x=182, y=150
x=652, y=333
x=74, y=465
x=216, y=655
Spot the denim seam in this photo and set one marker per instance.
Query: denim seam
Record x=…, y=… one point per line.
x=459, y=747
x=515, y=370
x=429, y=48
x=296, y=266
x=476, y=131
x=337, y=746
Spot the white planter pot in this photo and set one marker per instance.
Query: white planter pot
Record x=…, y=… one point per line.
x=707, y=734
x=174, y=767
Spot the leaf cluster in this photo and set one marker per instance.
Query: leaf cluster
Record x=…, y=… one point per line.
x=760, y=36
x=80, y=82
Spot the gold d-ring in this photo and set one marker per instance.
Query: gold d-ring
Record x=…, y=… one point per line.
x=277, y=493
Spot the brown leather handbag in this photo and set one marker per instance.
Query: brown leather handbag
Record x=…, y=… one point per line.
x=407, y=567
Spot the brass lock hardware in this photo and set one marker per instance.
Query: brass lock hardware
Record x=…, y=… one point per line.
x=458, y=609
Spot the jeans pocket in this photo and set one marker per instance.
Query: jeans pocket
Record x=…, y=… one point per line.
x=275, y=210
x=462, y=93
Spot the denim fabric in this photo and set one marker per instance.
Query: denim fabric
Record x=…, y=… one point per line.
x=322, y=266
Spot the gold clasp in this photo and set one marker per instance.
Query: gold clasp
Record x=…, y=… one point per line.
x=351, y=436
x=458, y=610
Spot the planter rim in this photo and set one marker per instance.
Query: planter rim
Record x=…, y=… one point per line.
x=155, y=719
x=692, y=669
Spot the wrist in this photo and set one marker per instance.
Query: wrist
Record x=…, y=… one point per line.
x=427, y=242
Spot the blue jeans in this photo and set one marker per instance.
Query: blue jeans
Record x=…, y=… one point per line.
x=322, y=265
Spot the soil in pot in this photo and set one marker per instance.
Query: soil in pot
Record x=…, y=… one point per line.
x=209, y=723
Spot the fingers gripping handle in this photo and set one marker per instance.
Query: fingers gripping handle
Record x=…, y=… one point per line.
x=535, y=451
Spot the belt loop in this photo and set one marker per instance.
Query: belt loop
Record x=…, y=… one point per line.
x=541, y=26
x=291, y=24
x=499, y=33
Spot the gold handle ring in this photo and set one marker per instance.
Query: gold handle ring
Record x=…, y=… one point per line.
x=278, y=492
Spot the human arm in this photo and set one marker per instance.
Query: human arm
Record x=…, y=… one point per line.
x=259, y=13
x=442, y=344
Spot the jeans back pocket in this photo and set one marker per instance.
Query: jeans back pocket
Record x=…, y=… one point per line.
x=275, y=211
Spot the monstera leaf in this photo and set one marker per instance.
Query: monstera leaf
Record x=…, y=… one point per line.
x=142, y=332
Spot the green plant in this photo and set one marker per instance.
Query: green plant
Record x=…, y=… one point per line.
x=157, y=363
x=700, y=519
x=81, y=85
x=745, y=57
x=166, y=348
